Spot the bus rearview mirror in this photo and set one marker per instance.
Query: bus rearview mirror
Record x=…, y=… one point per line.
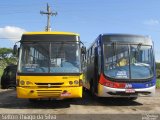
x=83, y=50
x=15, y=48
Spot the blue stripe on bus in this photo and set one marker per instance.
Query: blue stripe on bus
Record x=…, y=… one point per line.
x=143, y=85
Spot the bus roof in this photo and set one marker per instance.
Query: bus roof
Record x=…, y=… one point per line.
x=126, y=35
x=146, y=39
x=50, y=37
x=50, y=33
x=126, y=38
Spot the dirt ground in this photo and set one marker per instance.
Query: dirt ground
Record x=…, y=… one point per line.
x=87, y=107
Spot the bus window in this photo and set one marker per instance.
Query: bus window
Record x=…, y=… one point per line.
x=141, y=62
x=116, y=62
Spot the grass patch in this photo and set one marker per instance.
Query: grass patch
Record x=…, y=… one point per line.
x=158, y=83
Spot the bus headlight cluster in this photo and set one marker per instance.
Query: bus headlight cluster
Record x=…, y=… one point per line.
x=149, y=84
x=76, y=82
x=22, y=82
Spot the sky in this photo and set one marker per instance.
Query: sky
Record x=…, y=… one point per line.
x=89, y=18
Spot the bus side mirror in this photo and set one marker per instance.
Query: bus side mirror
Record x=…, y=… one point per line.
x=15, y=49
x=83, y=50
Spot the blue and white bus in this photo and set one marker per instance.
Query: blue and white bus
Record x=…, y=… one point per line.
x=120, y=65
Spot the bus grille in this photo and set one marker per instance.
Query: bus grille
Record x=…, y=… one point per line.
x=49, y=85
x=49, y=93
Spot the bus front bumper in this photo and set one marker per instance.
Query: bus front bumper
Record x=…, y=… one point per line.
x=105, y=91
x=57, y=93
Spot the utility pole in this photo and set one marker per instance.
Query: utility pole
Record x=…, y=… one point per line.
x=48, y=13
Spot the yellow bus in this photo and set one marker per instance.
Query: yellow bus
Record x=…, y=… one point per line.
x=49, y=66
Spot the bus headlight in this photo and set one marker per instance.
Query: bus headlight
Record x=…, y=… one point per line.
x=70, y=82
x=22, y=82
x=28, y=83
x=76, y=82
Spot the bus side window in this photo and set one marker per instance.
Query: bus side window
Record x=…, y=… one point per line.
x=88, y=60
x=99, y=60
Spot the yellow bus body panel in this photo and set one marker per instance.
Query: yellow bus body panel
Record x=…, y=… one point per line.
x=49, y=87
x=50, y=33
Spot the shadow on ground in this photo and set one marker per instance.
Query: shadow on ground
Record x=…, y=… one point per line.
x=9, y=100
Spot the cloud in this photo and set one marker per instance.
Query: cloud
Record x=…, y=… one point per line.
x=152, y=22
x=11, y=33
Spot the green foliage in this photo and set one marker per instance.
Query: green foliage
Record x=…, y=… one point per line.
x=158, y=70
x=158, y=73
x=5, y=52
x=6, y=57
x=158, y=65
x=158, y=83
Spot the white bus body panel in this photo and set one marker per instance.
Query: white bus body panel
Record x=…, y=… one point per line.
x=103, y=91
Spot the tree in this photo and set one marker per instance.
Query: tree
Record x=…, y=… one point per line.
x=158, y=65
x=158, y=70
x=6, y=57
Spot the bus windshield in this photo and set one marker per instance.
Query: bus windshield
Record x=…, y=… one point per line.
x=128, y=61
x=49, y=57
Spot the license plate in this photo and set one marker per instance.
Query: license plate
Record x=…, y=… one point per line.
x=130, y=91
x=65, y=94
